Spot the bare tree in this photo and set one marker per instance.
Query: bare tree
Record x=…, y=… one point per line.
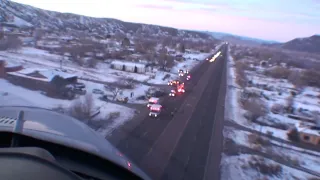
x=295, y=78
x=37, y=35
x=13, y=43
x=92, y=63
x=113, y=89
x=145, y=45
x=1, y=34
x=125, y=42
x=256, y=107
x=82, y=108
x=182, y=48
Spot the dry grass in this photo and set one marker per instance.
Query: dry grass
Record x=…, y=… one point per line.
x=258, y=140
x=265, y=168
x=278, y=72
x=255, y=106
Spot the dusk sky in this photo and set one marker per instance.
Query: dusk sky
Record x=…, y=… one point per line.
x=280, y=20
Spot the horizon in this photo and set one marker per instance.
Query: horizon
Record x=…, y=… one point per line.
x=233, y=17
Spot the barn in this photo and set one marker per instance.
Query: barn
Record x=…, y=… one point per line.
x=128, y=66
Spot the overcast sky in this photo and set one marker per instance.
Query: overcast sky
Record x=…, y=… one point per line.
x=280, y=20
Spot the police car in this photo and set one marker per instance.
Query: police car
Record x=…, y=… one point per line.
x=172, y=93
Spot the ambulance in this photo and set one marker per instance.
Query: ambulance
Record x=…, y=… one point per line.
x=152, y=100
x=155, y=110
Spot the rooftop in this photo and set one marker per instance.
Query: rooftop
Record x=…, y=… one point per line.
x=49, y=74
x=126, y=63
x=155, y=106
x=308, y=128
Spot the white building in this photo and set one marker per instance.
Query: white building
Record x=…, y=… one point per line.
x=129, y=66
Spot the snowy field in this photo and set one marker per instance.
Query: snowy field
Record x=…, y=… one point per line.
x=240, y=166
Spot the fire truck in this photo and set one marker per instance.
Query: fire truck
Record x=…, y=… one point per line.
x=155, y=110
x=152, y=101
x=173, y=82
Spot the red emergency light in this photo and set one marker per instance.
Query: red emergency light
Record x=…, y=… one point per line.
x=155, y=109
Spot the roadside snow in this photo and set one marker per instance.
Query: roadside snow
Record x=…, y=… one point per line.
x=200, y=56
x=139, y=90
x=159, y=78
x=25, y=95
x=107, y=108
x=188, y=64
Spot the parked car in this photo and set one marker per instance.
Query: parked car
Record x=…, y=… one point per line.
x=104, y=98
x=97, y=91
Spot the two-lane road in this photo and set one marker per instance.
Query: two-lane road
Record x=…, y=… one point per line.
x=179, y=147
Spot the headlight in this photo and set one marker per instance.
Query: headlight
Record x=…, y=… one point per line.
x=155, y=115
x=149, y=114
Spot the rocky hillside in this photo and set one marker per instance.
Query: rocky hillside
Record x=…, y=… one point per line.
x=24, y=16
x=236, y=39
x=309, y=44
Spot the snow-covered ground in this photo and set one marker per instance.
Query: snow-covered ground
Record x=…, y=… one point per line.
x=306, y=158
x=236, y=167
x=241, y=167
x=12, y=95
x=33, y=59
x=30, y=58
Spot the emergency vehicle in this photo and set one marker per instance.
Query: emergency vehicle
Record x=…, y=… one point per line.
x=181, y=73
x=174, y=82
x=188, y=77
x=152, y=101
x=155, y=110
x=172, y=93
x=181, y=88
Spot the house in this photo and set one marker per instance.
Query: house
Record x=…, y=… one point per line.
x=309, y=132
x=53, y=82
x=129, y=66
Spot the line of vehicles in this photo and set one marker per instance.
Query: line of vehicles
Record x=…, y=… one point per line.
x=154, y=105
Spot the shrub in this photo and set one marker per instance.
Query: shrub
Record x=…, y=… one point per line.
x=92, y=63
x=289, y=106
x=277, y=108
x=81, y=109
x=10, y=43
x=311, y=78
x=265, y=168
x=296, y=79
x=256, y=107
x=278, y=72
x=241, y=77
x=293, y=135
x=113, y=115
x=258, y=140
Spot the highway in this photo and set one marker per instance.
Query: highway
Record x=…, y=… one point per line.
x=180, y=146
